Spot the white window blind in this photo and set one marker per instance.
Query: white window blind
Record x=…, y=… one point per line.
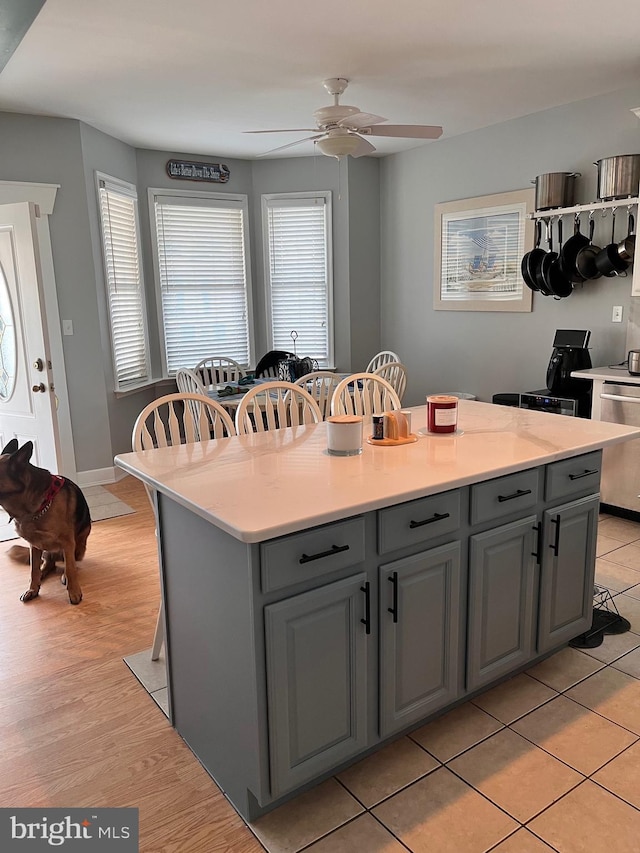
x=202, y=267
x=298, y=273
x=123, y=274
x=481, y=254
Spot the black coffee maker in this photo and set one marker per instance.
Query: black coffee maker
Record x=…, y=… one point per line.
x=569, y=353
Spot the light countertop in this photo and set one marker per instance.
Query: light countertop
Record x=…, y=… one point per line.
x=600, y=375
x=607, y=374
x=260, y=486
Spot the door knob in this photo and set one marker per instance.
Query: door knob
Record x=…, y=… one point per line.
x=39, y=387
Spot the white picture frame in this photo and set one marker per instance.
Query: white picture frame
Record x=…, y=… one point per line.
x=478, y=248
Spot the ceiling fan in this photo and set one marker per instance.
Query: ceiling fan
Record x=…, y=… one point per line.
x=341, y=128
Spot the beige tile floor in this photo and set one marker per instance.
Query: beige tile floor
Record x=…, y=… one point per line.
x=549, y=760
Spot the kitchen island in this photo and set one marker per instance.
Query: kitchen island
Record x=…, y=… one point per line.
x=317, y=606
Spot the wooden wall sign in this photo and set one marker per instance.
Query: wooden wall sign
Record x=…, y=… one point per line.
x=188, y=170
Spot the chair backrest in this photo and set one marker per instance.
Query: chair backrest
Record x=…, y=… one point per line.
x=364, y=394
x=169, y=420
x=320, y=384
x=179, y=419
x=268, y=364
x=218, y=370
x=396, y=375
x=383, y=357
x=188, y=382
x=274, y=405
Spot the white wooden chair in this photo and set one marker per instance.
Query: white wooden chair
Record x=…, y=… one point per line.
x=274, y=405
x=188, y=382
x=383, y=357
x=218, y=370
x=177, y=419
x=396, y=375
x=364, y=394
x=320, y=384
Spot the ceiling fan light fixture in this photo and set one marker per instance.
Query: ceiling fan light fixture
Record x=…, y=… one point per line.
x=338, y=146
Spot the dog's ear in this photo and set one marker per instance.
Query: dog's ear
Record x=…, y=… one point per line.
x=24, y=454
x=11, y=447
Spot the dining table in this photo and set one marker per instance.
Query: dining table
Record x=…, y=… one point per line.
x=230, y=401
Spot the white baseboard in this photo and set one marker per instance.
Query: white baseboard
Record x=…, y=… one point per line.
x=100, y=476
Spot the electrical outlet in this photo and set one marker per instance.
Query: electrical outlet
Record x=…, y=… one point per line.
x=616, y=316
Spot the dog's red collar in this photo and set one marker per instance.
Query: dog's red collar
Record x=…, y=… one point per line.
x=55, y=485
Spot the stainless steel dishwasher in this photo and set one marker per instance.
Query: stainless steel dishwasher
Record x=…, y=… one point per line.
x=620, y=485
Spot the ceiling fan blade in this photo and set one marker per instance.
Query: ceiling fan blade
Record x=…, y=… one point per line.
x=364, y=147
x=291, y=144
x=410, y=131
x=360, y=120
x=285, y=130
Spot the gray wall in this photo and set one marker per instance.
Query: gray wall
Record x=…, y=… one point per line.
x=383, y=252
x=67, y=152
x=489, y=352
x=364, y=260
x=101, y=153
x=49, y=150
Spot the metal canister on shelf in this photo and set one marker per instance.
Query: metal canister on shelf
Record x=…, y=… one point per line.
x=377, y=432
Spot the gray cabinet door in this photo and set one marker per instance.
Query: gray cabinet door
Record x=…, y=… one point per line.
x=316, y=646
x=567, y=571
x=502, y=574
x=420, y=606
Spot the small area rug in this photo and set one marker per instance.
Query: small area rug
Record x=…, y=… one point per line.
x=102, y=505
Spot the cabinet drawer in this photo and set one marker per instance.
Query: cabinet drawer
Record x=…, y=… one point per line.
x=418, y=521
x=311, y=553
x=503, y=496
x=573, y=476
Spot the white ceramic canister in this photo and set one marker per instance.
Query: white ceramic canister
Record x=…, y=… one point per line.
x=344, y=435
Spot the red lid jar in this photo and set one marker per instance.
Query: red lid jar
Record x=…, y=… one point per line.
x=442, y=413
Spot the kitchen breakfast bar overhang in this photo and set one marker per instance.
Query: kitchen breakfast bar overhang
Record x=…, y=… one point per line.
x=318, y=606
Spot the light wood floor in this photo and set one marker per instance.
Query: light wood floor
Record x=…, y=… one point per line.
x=76, y=728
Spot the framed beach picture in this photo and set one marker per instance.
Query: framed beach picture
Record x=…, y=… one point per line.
x=478, y=248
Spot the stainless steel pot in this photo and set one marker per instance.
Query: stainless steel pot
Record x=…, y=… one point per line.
x=555, y=189
x=634, y=362
x=618, y=177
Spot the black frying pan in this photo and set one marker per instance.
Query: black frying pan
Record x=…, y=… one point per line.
x=608, y=261
x=555, y=279
x=570, y=251
x=586, y=257
x=545, y=261
x=627, y=247
x=543, y=272
x=531, y=260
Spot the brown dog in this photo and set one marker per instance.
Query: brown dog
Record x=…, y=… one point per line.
x=50, y=512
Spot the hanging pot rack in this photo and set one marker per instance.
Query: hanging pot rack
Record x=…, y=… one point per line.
x=630, y=201
x=585, y=208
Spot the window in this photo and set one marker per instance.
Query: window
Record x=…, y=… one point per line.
x=202, y=271
x=297, y=228
x=123, y=277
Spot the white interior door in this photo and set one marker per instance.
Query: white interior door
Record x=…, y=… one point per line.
x=27, y=397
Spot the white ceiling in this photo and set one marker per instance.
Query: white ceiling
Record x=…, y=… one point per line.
x=192, y=75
